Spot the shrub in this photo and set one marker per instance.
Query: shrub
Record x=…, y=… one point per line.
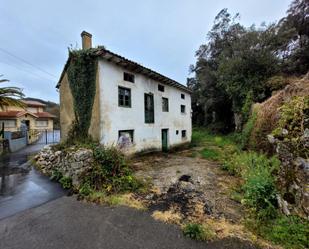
x=198, y=232
x=259, y=186
x=246, y=132
x=66, y=182
x=56, y=175
x=110, y=172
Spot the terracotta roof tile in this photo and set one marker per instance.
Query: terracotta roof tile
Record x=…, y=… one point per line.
x=44, y=115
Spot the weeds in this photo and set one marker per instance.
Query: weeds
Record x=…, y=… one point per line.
x=198, y=232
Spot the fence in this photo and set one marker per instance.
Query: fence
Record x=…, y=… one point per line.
x=15, y=141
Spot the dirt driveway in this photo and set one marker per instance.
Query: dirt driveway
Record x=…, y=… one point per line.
x=205, y=176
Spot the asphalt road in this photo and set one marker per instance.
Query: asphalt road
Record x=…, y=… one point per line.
x=21, y=186
x=70, y=224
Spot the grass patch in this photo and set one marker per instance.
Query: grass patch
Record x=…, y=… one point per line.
x=290, y=232
x=198, y=232
x=212, y=154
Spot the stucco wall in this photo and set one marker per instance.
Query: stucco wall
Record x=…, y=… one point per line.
x=66, y=107
x=146, y=136
x=67, y=110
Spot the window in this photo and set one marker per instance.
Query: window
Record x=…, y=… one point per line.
x=41, y=123
x=125, y=136
x=164, y=104
x=149, y=108
x=183, y=109
x=124, y=97
x=128, y=77
x=161, y=88
x=8, y=123
x=177, y=132
x=182, y=96
x=183, y=133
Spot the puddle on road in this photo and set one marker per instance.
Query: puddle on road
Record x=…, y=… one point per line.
x=10, y=179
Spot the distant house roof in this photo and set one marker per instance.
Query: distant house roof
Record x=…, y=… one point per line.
x=15, y=114
x=131, y=66
x=33, y=103
x=44, y=115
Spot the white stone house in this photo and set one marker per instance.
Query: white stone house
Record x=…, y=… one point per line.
x=134, y=107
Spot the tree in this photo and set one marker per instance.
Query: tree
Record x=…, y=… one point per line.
x=294, y=43
x=232, y=67
x=10, y=96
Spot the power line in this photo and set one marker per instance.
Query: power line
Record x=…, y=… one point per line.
x=26, y=71
x=29, y=63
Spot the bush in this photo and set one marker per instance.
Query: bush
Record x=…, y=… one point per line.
x=110, y=173
x=56, y=175
x=198, y=232
x=66, y=182
x=259, y=186
x=246, y=132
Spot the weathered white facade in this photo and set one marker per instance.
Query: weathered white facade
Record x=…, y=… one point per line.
x=146, y=136
x=134, y=107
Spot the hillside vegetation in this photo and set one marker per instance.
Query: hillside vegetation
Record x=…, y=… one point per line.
x=253, y=84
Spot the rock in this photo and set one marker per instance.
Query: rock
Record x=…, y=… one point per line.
x=283, y=205
x=271, y=139
x=285, y=132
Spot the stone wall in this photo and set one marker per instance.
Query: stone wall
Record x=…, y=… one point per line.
x=72, y=162
x=293, y=176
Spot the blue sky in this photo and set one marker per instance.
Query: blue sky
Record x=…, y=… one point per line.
x=160, y=34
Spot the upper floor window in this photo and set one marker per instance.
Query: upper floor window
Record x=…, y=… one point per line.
x=164, y=104
x=124, y=97
x=161, y=88
x=182, y=96
x=183, y=109
x=149, y=108
x=128, y=77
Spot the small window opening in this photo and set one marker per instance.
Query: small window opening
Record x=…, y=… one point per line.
x=128, y=77
x=161, y=88
x=182, y=96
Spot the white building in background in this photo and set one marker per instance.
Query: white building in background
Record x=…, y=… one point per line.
x=134, y=107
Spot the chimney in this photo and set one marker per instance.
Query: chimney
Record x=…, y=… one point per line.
x=86, y=40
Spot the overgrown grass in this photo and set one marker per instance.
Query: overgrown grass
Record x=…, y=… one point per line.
x=210, y=154
x=291, y=232
x=258, y=190
x=215, y=147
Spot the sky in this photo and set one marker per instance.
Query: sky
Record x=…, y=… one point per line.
x=160, y=34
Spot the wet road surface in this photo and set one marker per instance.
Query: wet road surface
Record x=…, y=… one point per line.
x=21, y=186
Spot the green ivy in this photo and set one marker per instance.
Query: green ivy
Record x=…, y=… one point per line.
x=82, y=81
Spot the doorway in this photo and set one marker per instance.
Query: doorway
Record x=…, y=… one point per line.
x=164, y=133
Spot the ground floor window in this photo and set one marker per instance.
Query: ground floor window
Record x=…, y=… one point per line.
x=183, y=133
x=8, y=123
x=41, y=123
x=125, y=137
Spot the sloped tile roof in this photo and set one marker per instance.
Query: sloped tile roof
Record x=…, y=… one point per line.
x=131, y=66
